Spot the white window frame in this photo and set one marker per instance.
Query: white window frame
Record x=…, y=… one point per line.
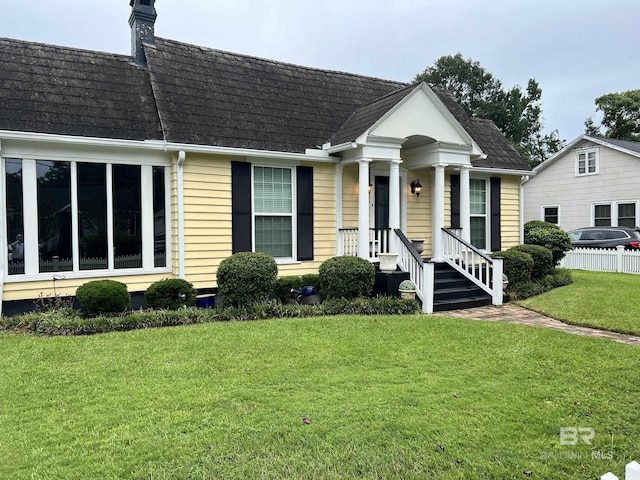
x=615, y=220
x=586, y=152
x=487, y=212
x=543, y=213
x=293, y=214
x=30, y=191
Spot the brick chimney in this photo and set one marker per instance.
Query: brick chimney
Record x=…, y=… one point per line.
x=143, y=17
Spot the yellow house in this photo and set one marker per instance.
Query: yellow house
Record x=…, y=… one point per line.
x=165, y=164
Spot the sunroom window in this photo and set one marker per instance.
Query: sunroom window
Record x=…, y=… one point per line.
x=273, y=210
x=88, y=216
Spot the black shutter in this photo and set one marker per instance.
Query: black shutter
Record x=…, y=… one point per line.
x=241, y=193
x=496, y=240
x=304, y=203
x=455, y=201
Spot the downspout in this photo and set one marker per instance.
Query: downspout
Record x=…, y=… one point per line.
x=181, y=248
x=524, y=179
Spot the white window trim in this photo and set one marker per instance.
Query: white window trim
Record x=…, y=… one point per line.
x=614, y=211
x=294, y=213
x=586, y=151
x=30, y=190
x=542, y=214
x=487, y=210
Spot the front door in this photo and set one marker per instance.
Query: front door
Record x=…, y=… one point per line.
x=381, y=207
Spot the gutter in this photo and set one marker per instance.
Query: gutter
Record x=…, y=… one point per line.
x=181, y=244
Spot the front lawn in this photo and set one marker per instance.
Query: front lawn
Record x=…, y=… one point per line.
x=610, y=301
x=386, y=397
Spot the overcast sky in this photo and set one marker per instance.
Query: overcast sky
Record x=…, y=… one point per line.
x=576, y=49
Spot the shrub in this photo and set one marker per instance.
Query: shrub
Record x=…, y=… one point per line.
x=346, y=277
x=559, y=278
x=517, y=266
x=530, y=225
x=311, y=280
x=68, y=322
x=542, y=260
x=550, y=236
x=283, y=287
x=170, y=294
x=103, y=296
x=245, y=278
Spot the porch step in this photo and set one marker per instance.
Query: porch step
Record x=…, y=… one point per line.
x=453, y=291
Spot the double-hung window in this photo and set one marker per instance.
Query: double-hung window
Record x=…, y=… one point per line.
x=478, y=211
x=587, y=162
x=273, y=209
x=551, y=214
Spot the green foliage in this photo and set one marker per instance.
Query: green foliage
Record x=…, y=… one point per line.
x=517, y=113
x=549, y=236
x=103, y=297
x=283, y=287
x=170, y=294
x=69, y=322
x=311, y=280
x=559, y=278
x=245, y=278
x=517, y=266
x=346, y=277
x=530, y=225
x=620, y=116
x=542, y=260
x=407, y=285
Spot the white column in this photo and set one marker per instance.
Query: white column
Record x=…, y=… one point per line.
x=363, y=208
x=438, y=211
x=339, y=221
x=394, y=201
x=465, y=212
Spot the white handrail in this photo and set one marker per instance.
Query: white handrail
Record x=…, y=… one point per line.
x=484, y=271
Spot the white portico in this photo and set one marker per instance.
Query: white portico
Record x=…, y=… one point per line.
x=416, y=133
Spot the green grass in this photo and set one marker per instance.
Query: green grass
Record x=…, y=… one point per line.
x=610, y=301
x=389, y=397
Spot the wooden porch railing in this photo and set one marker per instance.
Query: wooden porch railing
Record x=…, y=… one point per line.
x=378, y=242
x=481, y=269
x=420, y=272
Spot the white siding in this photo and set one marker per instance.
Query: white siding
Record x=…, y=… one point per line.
x=558, y=185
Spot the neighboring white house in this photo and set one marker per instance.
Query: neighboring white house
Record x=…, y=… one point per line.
x=593, y=181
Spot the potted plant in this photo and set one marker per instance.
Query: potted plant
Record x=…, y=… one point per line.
x=407, y=290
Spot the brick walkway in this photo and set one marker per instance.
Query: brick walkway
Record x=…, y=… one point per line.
x=510, y=313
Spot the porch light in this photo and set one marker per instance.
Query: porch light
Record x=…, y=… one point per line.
x=370, y=186
x=416, y=187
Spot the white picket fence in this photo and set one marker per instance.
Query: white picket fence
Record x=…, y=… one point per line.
x=631, y=472
x=603, y=260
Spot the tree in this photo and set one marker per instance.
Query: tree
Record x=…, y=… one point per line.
x=517, y=113
x=620, y=116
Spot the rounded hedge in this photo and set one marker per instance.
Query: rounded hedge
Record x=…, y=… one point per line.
x=246, y=278
x=530, y=225
x=170, y=294
x=553, y=238
x=103, y=296
x=542, y=260
x=346, y=277
x=517, y=266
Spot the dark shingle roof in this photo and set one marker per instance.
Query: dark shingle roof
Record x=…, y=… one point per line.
x=197, y=95
x=626, y=144
x=364, y=117
x=59, y=90
x=211, y=97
